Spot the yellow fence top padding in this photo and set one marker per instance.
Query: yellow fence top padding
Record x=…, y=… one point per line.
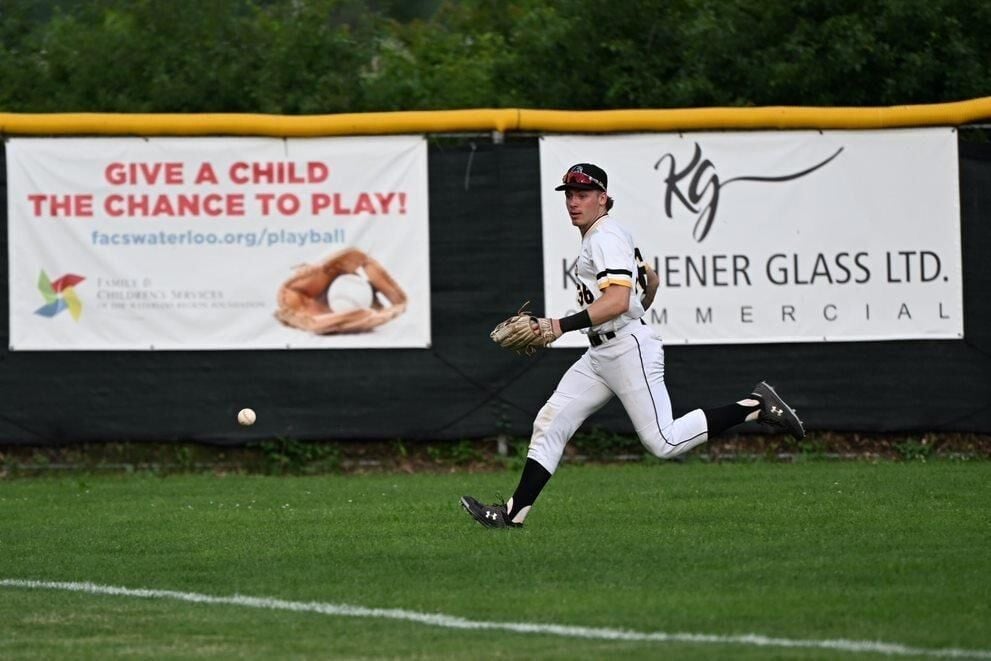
x=494, y=119
x=458, y=121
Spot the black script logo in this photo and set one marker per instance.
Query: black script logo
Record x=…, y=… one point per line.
x=703, y=184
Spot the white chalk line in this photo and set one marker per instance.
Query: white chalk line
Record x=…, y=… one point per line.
x=454, y=622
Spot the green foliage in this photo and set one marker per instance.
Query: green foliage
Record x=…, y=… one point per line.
x=425, y=66
x=461, y=453
x=517, y=456
x=332, y=56
x=184, y=458
x=290, y=456
x=912, y=449
x=311, y=56
x=599, y=443
x=811, y=447
x=191, y=56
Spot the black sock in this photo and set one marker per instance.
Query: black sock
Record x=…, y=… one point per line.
x=532, y=480
x=720, y=419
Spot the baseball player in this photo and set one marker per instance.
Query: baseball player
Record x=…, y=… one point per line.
x=625, y=358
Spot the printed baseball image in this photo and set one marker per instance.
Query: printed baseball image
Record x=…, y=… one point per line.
x=347, y=292
x=351, y=291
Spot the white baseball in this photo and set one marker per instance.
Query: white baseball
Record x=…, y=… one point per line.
x=349, y=292
x=246, y=417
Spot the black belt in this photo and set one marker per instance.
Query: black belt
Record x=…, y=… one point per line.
x=596, y=340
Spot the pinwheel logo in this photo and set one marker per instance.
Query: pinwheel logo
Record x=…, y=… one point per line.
x=60, y=295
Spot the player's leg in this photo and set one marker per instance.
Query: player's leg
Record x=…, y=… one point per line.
x=637, y=377
x=762, y=405
x=578, y=395
x=635, y=372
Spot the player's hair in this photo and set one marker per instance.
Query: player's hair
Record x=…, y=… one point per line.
x=609, y=203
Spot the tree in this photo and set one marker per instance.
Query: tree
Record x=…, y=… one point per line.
x=191, y=56
x=331, y=56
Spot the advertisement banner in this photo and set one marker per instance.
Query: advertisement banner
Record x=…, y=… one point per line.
x=797, y=236
x=218, y=243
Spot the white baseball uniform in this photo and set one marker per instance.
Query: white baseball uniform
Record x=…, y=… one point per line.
x=626, y=359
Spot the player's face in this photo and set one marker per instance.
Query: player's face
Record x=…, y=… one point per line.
x=584, y=206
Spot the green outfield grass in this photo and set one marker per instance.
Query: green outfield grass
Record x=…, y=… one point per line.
x=891, y=551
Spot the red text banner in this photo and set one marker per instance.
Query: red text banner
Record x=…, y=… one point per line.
x=188, y=243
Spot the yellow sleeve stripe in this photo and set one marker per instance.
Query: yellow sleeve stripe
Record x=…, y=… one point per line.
x=605, y=282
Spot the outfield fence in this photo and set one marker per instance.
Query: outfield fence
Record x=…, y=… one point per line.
x=485, y=259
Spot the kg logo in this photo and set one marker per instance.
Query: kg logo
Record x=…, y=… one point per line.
x=697, y=186
x=60, y=295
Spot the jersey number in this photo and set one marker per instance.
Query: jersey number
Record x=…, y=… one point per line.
x=584, y=295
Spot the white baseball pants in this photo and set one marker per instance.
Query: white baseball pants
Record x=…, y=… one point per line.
x=631, y=367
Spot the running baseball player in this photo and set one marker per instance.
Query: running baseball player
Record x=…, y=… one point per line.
x=625, y=358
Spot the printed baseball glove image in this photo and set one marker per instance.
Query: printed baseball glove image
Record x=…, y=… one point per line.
x=342, y=294
x=523, y=332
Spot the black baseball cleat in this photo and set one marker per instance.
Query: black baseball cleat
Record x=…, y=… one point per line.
x=776, y=413
x=490, y=516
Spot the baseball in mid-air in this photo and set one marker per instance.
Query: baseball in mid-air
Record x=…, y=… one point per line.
x=246, y=417
x=348, y=292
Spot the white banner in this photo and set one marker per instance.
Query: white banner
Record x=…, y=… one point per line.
x=794, y=236
x=184, y=243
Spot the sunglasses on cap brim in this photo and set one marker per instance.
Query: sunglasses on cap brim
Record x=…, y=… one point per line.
x=581, y=179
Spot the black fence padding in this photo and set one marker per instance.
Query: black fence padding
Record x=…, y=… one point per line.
x=485, y=260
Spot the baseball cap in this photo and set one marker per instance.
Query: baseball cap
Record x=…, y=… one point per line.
x=584, y=176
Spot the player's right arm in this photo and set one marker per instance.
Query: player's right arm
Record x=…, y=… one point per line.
x=615, y=300
x=653, y=281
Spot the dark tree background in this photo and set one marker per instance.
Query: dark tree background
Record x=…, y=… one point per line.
x=330, y=56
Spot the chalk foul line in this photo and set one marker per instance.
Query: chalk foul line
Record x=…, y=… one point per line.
x=454, y=622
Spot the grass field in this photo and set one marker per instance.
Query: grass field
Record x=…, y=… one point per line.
x=803, y=555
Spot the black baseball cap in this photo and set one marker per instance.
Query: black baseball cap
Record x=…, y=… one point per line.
x=584, y=176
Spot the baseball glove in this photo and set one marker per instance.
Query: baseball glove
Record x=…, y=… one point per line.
x=523, y=332
x=302, y=299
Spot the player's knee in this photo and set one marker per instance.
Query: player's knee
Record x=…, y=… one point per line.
x=663, y=450
x=544, y=418
x=543, y=424
x=550, y=435
x=657, y=443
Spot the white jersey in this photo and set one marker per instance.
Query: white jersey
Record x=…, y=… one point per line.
x=626, y=361
x=609, y=259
